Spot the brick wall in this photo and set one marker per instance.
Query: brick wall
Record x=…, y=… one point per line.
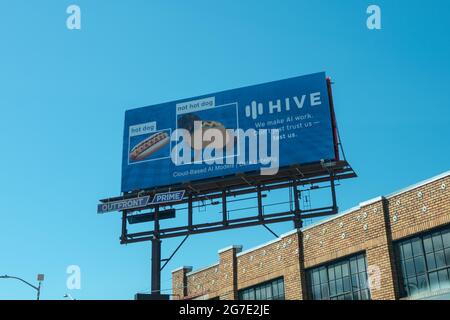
x=370, y=227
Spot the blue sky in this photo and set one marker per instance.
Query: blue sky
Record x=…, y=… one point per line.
x=64, y=93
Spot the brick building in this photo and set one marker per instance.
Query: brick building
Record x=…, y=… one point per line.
x=391, y=247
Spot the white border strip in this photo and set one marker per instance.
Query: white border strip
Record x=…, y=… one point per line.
x=202, y=269
x=235, y=246
x=419, y=184
x=181, y=268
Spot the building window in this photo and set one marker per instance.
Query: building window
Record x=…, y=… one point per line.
x=424, y=262
x=271, y=290
x=341, y=280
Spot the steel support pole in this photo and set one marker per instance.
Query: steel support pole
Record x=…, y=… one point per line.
x=224, y=208
x=333, y=193
x=156, y=266
x=156, y=257
x=190, y=212
x=123, y=236
x=298, y=220
x=260, y=205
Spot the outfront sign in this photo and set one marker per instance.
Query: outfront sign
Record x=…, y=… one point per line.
x=166, y=197
x=223, y=133
x=126, y=204
x=141, y=202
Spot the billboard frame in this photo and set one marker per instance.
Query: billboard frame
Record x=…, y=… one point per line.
x=324, y=172
x=332, y=130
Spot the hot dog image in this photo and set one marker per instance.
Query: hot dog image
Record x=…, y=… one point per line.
x=188, y=122
x=149, y=146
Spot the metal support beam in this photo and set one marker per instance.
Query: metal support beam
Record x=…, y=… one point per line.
x=224, y=208
x=218, y=225
x=307, y=175
x=156, y=266
x=166, y=261
x=218, y=228
x=123, y=236
x=333, y=193
x=156, y=222
x=156, y=256
x=271, y=231
x=298, y=220
x=260, y=206
x=190, y=212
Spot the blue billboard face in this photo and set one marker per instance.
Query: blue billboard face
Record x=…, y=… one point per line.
x=214, y=135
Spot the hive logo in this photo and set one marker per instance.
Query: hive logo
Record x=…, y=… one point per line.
x=253, y=110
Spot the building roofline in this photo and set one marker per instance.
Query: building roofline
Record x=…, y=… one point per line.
x=258, y=247
x=281, y=237
x=419, y=184
x=202, y=269
x=345, y=212
x=181, y=268
x=234, y=246
x=379, y=198
x=340, y=214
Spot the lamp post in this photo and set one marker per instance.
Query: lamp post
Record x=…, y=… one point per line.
x=40, y=278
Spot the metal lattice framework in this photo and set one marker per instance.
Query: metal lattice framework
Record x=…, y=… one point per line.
x=292, y=177
x=219, y=191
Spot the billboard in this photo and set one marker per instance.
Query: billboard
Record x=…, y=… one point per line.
x=178, y=142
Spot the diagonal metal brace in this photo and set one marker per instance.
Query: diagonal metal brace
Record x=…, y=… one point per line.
x=166, y=261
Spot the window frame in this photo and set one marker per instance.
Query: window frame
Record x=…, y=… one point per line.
x=345, y=279
x=260, y=290
x=431, y=270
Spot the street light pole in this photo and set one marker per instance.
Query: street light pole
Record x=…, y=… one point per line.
x=39, y=291
x=40, y=278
